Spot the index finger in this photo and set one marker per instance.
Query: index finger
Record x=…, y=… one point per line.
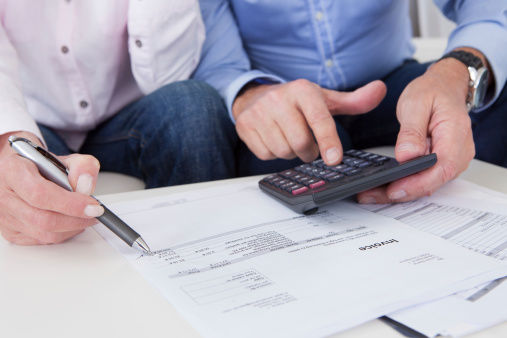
x=320, y=121
x=25, y=180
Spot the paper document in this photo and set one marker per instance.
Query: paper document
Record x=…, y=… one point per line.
x=236, y=263
x=474, y=218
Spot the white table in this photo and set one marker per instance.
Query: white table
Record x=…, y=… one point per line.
x=84, y=288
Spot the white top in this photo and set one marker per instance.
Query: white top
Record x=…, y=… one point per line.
x=72, y=64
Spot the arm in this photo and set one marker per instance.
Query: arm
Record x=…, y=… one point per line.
x=13, y=112
x=32, y=209
x=432, y=109
x=481, y=26
x=224, y=63
x=278, y=120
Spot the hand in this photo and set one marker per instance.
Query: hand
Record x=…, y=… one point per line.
x=433, y=118
x=34, y=210
x=296, y=118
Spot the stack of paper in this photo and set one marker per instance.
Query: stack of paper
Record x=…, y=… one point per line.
x=474, y=218
x=236, y=263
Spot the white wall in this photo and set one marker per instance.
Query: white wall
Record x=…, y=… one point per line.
x=428, y=21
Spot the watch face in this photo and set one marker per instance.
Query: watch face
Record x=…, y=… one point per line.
x=480, y=88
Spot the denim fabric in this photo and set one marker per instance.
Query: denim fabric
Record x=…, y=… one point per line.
x=179, y=134
x=380, y=127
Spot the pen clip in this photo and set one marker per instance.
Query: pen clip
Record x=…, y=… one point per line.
x=41, y=150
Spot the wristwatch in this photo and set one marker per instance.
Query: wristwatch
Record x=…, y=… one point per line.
x=479, y=77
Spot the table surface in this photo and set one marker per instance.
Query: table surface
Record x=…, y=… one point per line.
x=84, y=288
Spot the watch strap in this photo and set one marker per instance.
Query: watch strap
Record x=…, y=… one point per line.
x=467, y=58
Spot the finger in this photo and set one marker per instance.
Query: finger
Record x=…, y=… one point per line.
x=374, y=196
x=31, y=221
x=299, y=136
x=360, y=101
x=414, y=116
x=273, y=138
x=319, y=119
x=83, y=171
x=18, y=238
x=253, y=140
x=24, y=179
x=454, y=148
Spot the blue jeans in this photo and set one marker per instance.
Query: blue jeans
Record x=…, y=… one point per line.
x=179, y=134
x=380, y=127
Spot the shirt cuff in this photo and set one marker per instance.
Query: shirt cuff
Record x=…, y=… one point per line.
x=493, y=48
x=235, y=87
x=18, y=120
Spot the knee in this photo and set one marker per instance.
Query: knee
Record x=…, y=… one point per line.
x=193, y=110
x=194, y=102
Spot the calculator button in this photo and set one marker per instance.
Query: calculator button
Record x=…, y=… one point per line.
x=299, y=191
x=315, y=172
x=281, y=182
x=288, y=173
x=372, y=157
x=303, y=167
x=346, y=170
x=353, y=172
x=288, y=186
x=304, y=180
x=338, y=167
x=380, y=159
x=352, y=152
x=355, y=163
x=327, y=176
x=364, y=164
x=364, y=155
x=349, y=161
x=317, y=184
x=319, y=163
x=335, y=177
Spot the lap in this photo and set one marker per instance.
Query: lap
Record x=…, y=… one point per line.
x=180, y=133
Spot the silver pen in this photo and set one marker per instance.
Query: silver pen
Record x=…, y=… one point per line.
x=55, y=171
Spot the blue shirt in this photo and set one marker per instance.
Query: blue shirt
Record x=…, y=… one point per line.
x=338, y=44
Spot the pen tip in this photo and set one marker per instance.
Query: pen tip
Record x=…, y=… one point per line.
x=142, y=244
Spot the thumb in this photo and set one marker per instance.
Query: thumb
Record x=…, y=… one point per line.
x=412, y=140
x=83, y=171
x=360, y=101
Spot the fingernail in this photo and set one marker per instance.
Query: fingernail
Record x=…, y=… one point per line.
x=84, y=184
x=332, y=155
x=93, y=210
x=408, y=147
x=397, y=195
x=368, y=200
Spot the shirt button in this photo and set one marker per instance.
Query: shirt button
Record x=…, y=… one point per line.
x=83, y=104
x=139, y=43
x=319, y=15
x=64, y=49
x=329, y=63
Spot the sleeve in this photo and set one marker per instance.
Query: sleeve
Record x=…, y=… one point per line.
x=224, y=63
x=13, y=112
x=481, y=25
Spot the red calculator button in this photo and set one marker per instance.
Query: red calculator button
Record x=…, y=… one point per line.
x=317, y=184
x=299, y=191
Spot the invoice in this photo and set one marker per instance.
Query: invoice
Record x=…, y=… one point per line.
x=237, y=264
x=475, y=218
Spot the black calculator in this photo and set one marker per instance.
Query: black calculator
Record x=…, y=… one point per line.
x=310, y=185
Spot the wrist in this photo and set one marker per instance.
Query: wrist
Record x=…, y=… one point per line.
x=453, y=71
x=247, y=95
x=4, y=140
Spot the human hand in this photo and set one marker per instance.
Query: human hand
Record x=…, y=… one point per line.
x=433, y=117
x=296, y=118
x=34, y=210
